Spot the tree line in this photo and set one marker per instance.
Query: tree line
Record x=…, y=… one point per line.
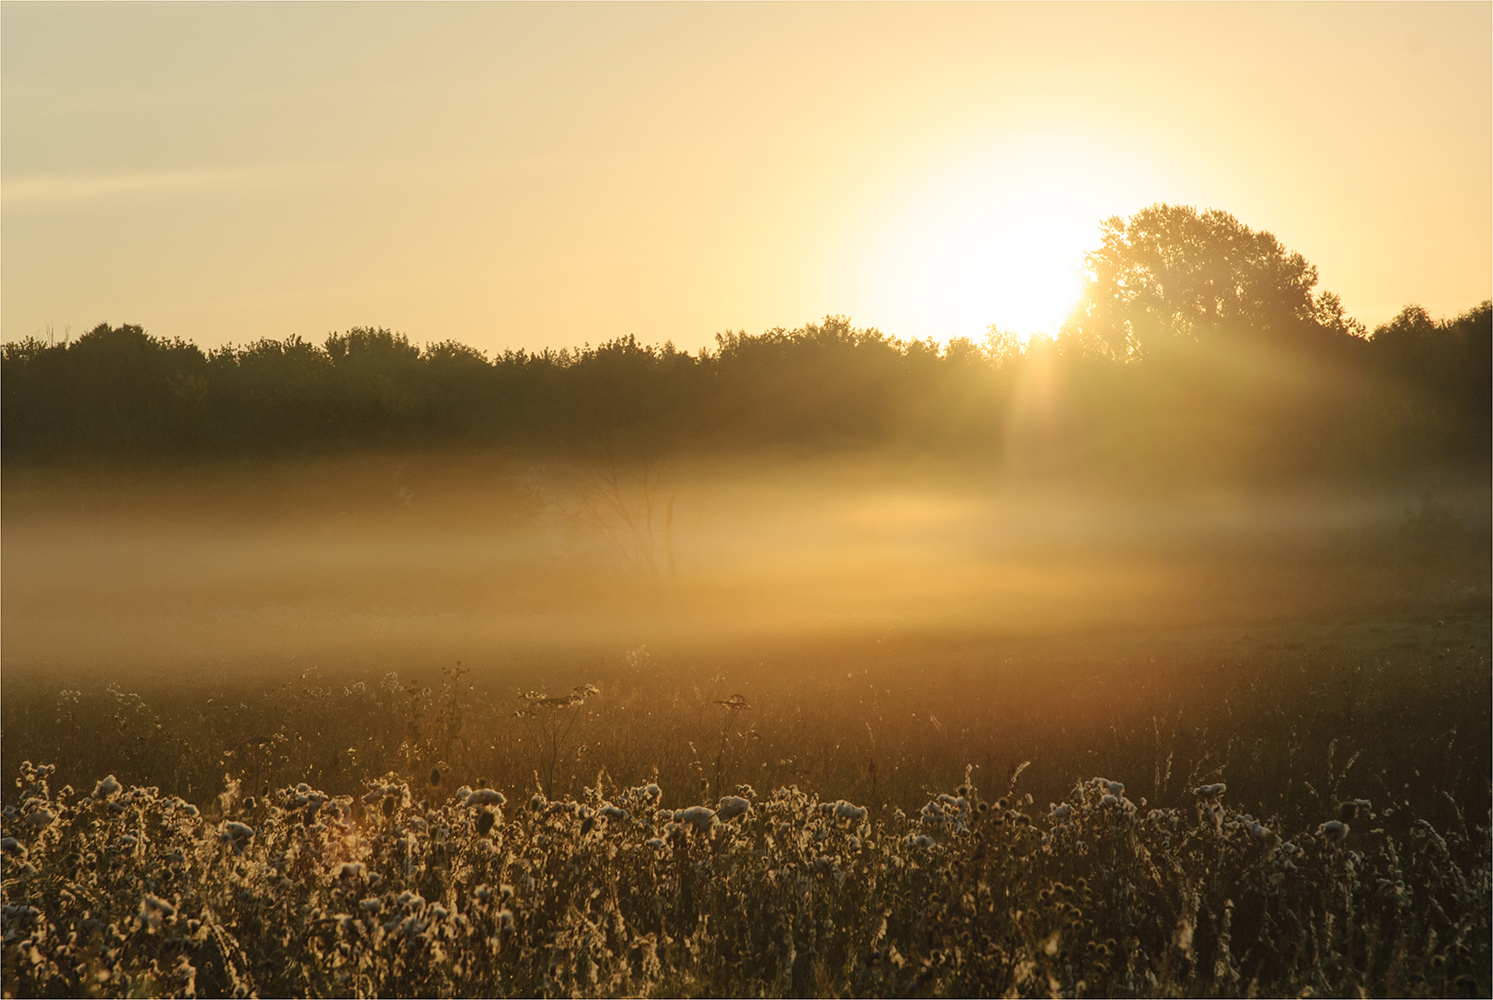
x=1199, y=345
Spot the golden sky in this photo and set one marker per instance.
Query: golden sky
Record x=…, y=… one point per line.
x=518, y=175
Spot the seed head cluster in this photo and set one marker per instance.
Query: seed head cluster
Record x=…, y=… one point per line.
x=395, y=893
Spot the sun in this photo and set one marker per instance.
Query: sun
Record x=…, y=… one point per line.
x=994, y=242
x=1014, y=262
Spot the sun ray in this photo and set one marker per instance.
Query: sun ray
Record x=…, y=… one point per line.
x=994, y=240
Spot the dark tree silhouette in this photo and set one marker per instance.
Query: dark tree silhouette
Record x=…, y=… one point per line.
x=269, y=395
x=1201, y=348
x=1439, y=391
x=1172, y=273
x=115, y=388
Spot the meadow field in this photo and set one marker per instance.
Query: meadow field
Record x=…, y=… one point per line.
x=762, y=500
x=456, y=726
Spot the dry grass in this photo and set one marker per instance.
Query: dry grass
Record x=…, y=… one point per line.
x=956, y=840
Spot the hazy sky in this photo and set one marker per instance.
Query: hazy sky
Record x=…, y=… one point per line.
x=525, y=175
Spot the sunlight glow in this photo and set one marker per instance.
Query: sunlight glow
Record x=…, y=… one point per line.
x=994, y=241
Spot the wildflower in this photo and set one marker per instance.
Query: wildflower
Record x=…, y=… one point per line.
x=486, y=797
x=1211, y=792
x=107, y=788
x=40, y=818
x=732, y=806
x=351, y=869
x=398, y=790
x=1261, y=832
x=1183, y=937
x=611, y=812
x=699, y=817
x=922, y=840
x=844, y=810
x=236, y=835
x=1333, y=830
x=11, y=845
x=656, y=843
x=20, y=914
x=947, y=811
x=154, y=910
x=1060, y=812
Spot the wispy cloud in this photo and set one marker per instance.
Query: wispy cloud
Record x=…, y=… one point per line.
x=26, y=190
x=59, y=188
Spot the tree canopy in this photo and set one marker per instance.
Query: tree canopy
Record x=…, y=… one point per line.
x=1199, y=343
x=1171, y=273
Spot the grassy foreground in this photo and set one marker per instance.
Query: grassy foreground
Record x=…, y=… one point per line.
x=1282, y=813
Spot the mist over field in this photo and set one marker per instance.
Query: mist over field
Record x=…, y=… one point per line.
x=774, y=651
x=305, y=689
x=672, y=500
x=430, y=558
x=792, y=638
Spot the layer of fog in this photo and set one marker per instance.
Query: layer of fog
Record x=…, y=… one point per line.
x=371, y=561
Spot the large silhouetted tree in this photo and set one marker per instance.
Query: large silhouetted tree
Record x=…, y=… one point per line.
x=1170, y=273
